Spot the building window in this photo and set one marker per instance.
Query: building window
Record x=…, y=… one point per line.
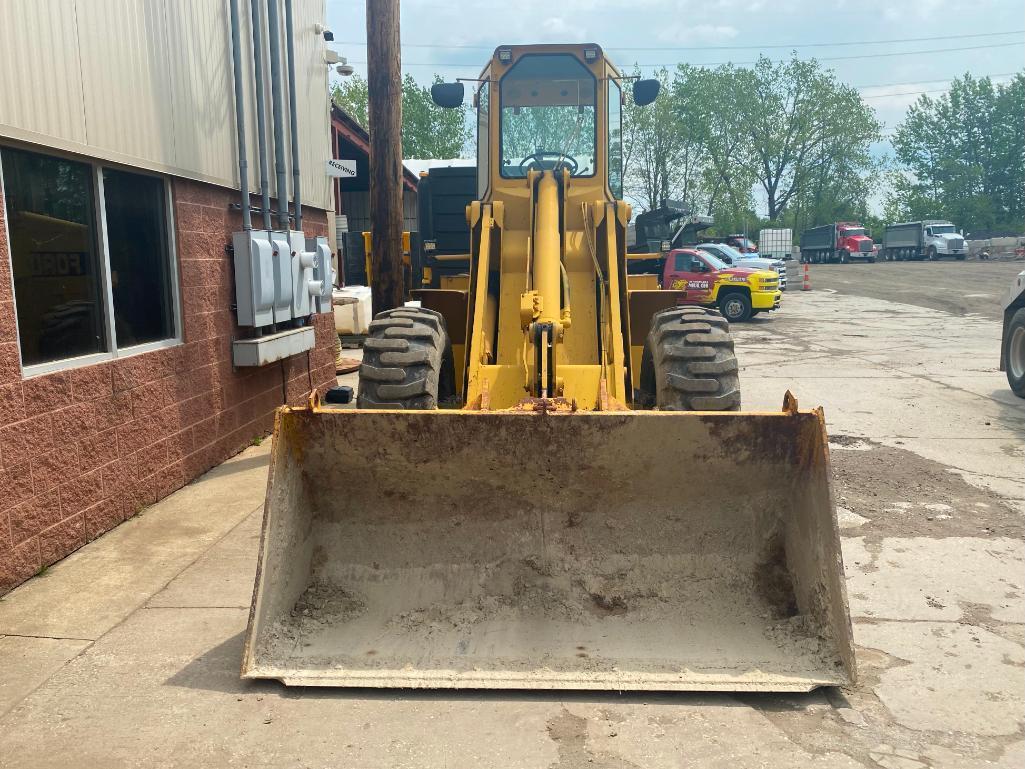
x=91, y=258
x=140, y=275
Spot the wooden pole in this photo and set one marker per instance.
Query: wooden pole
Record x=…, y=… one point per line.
x=384, y=82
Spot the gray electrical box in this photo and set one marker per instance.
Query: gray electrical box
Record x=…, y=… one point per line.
x=323, y=275
x=302, y=273
x=282, y=255
x=254, y=278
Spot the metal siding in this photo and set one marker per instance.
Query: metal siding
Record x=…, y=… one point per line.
x=157, y=85
x=125, y=78
x=41, y=94
x=313, y=102
x=201, y=93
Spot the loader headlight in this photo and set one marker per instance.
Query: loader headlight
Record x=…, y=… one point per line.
x=665, y=245
x=504, y=55
x=430, y=246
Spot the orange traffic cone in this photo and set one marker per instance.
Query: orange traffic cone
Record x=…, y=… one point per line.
x=807, y=280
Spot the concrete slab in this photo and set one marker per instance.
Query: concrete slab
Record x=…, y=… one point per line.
x=162, y=690
x=114, y=575
x=223, y=576
x=953, y=579
x=953, y=676
x=25, y=663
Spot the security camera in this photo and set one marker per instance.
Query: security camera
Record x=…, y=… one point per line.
x=329, y=36
x=344, y=70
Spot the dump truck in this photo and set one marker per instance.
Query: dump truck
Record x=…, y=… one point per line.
x=658, y=231
x=841, y=242
x=930, y=239
x=496, y=512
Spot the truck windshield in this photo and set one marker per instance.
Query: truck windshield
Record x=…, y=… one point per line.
x=943, y=229
x=548, y=116
x=714, y=261
x=732, y=253
x=849, y=231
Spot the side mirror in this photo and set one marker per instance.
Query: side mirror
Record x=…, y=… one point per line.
x=646, y=91
x=447, y=95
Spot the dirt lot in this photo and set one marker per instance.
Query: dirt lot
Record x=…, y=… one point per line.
x=949, y=286
x=127, y=653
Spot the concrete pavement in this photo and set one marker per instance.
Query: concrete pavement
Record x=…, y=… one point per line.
x=126, y=654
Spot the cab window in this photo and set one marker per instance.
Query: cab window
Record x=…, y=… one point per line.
x=547, y=116
x=483, y=107
x=681, y=262
x=615, y=118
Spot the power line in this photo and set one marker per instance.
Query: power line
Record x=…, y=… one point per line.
x=924, y=82
x=726, y=47
x=454, y=65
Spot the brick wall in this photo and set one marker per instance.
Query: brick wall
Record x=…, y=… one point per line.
x=84, y=449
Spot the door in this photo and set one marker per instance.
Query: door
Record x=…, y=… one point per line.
x=691, y=274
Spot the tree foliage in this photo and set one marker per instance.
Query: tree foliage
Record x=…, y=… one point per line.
x=963, y=156
x=428, y=131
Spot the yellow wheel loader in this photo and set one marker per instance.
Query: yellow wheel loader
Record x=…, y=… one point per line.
x=548, y=482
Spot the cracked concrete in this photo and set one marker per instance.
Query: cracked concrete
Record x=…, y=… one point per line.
x=927, y=451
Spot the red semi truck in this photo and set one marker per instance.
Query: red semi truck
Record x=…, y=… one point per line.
x=841, y=242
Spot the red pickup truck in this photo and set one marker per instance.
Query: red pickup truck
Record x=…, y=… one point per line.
x=738, y=292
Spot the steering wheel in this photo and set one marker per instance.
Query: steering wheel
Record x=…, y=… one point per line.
x=540, y=161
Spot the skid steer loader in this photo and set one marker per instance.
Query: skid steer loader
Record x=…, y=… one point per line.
x=548, y=482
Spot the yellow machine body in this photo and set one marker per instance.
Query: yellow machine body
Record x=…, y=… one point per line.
x=548, y=533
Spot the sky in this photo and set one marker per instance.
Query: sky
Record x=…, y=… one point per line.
x=891, y=50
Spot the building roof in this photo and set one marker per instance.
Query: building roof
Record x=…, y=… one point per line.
x=357, y=135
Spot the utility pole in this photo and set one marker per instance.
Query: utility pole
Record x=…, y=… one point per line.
x=384, y=108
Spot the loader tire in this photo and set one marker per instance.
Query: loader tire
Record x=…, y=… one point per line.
x=407, y=361
x=689, y=363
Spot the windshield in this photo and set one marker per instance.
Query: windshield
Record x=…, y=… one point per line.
x=943, y=229
x=548, y=116
x=731, y=252
x=714, y=261
x=849, y=231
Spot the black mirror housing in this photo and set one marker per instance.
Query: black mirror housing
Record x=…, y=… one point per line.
x=447, y=95
x=646, y=91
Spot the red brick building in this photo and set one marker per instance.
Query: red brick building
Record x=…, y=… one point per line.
x=117, y=293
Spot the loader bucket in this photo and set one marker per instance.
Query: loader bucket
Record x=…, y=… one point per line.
x=512, y=550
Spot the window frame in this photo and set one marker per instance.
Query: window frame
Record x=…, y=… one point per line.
x=613, y=82
x=501, y=122
x=103, y=250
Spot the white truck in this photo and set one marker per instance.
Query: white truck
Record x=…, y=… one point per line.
x=929, y=239
x=776, y=244
x=1012, y=343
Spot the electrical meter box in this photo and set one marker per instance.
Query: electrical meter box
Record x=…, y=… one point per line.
x=323, y=274
x=303, y=262
x=282, y=255
x=254, y=277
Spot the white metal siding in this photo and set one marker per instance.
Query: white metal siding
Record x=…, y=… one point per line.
x=148, y=83
x=41, y=92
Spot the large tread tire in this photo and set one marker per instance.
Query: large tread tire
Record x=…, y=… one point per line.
x=1014, y=352
x=407, y=361
x=689, y=363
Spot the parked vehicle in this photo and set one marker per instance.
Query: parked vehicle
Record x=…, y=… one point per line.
x=841, y=242
x=739, y=242
x=704, y=279
x=659, y=231
x=929, y=239
x=735, y=258
x=1012, y=344
x=776, y=244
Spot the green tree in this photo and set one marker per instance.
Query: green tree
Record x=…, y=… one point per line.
x=963, y=156
x=802, y=124
x=428, y=131
x=662, y=151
